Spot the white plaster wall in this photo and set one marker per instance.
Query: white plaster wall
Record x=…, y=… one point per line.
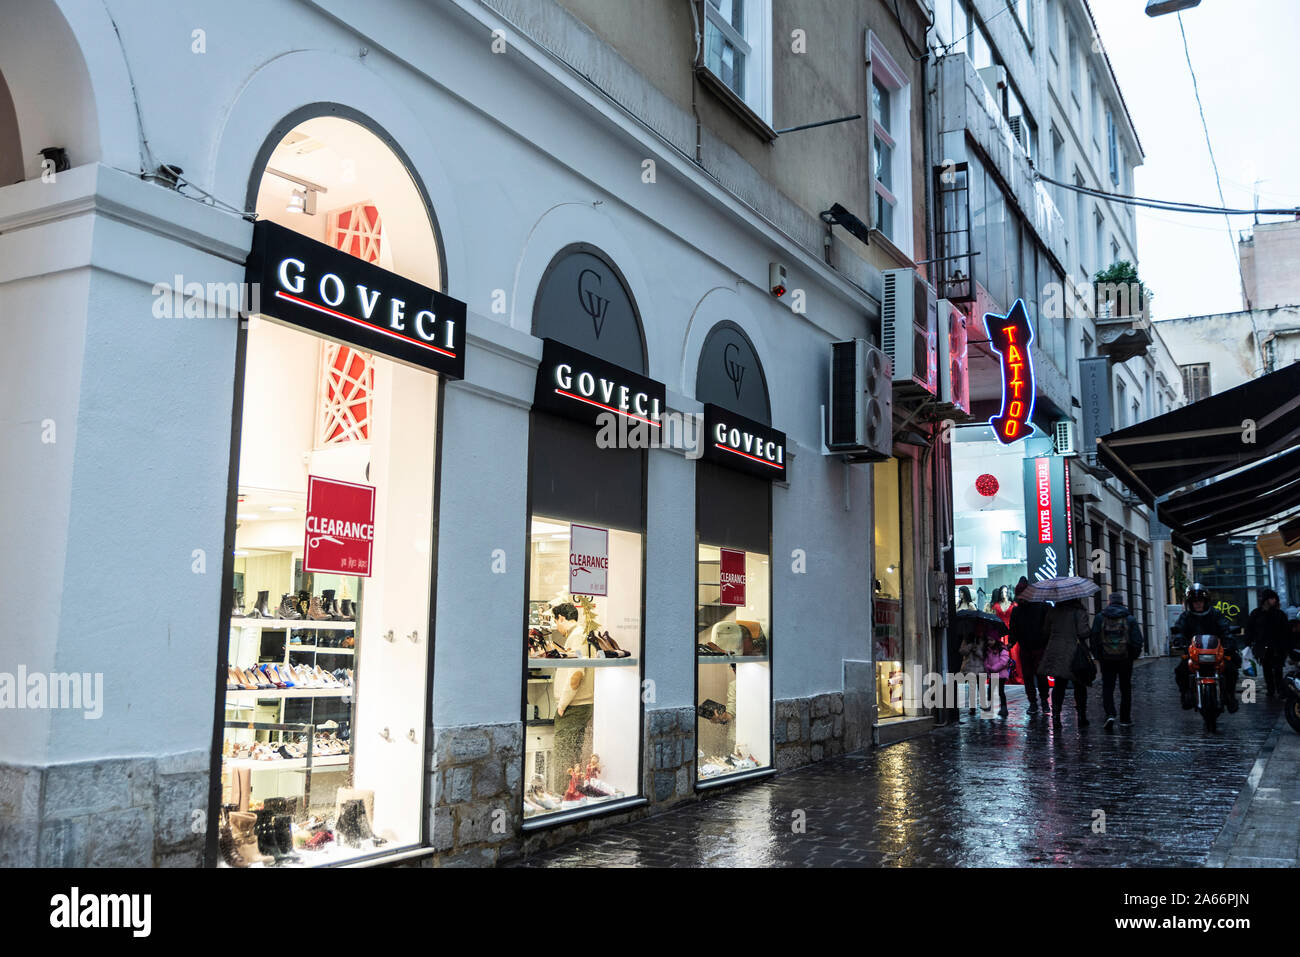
x=496, y=146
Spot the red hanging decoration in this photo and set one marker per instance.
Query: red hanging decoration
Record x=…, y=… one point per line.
x=987, y=485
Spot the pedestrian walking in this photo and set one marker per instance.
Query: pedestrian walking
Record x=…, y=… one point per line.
x=972, y=659
x=1268, y=632
x=1116, y=643
x=1030, y=637
x=997, y=664
x=1068, y=630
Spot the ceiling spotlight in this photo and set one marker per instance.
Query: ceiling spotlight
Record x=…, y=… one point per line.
x=297, y=201
x=279, y=508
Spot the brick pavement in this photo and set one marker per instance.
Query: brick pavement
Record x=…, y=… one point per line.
x=988, y=792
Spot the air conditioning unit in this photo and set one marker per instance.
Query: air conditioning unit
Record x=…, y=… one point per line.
x=954, y=374
x=907, y=332
x=994, y=77
x=861, y=402
x=1063, y=437
x=1019, y=131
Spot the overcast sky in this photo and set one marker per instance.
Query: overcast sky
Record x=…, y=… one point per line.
x=1248, y=68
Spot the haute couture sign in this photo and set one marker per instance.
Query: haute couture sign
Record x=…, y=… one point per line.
x=1048, y=533
x=743, y=444
x=581, y=387
x=339, y=296
x=1010, y=336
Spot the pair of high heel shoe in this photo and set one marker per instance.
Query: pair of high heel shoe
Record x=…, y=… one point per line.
x=709, y=648
x=262, y=677
x=605, y=646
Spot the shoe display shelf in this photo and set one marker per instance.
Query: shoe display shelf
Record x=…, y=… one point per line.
x=731, y=659
x=551, y=663
x=302, y=769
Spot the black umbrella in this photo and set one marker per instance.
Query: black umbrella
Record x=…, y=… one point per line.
x=967, y=619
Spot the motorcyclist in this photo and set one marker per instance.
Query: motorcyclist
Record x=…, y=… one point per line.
x=1201, y=618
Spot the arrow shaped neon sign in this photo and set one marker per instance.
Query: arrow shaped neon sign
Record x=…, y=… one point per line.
x=1010, y=336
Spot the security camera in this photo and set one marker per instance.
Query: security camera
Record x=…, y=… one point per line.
x=776, y=279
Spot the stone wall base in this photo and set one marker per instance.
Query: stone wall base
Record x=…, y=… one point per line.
x=116, y=812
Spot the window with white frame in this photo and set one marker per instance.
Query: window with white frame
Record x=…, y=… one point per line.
x=1023, y=11
x=891, y=160
x=1112, y=147
x=1196, y=381
x=738, y=50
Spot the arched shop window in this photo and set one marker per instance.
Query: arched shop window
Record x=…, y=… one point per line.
x=742, y=456
x=592, y=410
x=328, y=614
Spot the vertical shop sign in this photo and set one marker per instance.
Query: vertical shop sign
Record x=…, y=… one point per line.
x=340, y=533
x=588, y=560
x=1047, y=518
x=731, y=576
x=1010, y=336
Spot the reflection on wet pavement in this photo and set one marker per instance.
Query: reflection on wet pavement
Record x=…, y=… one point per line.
x=988, y=792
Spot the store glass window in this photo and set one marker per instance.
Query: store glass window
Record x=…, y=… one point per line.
x=887, y=590
x=327, y=642
x=733, y=626
x=742, y=456
x=583, y=702
x=582, y=634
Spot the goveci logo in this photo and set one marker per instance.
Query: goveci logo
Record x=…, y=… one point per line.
x=604, y=392
x=754, y=446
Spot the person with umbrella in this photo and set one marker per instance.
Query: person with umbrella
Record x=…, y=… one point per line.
x=1030, y=636
x=1069, y=627
x=975, y=629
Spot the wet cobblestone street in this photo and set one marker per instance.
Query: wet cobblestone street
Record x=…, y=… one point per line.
x=987, y=792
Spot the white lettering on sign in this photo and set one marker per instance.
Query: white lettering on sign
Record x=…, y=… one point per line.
x=332, y=290
x=1043, y=482
x=601, y=392
x=367, y=305
x=317, y=525
x=752, y=446
x=297, y=282
x=335, y=283
x=588, y=560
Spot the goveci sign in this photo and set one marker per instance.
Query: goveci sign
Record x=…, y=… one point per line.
x=740, y=443
x=329, y=292
x=582, y=387
x=1010, y=336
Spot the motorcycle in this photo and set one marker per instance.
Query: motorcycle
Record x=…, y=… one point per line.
x=1206, y=659
x=1291, y=690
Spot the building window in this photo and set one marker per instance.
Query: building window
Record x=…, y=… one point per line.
x=1081, y=220
x=1121, y=400
x=1196, y=381
x=1137, y=414
x=1114, y=251
x=1072, y=54
x=1112, y=143
x=1087, y=346
x=952, y=231
x=1099, y=248
x=891, y=167
x=1024, y=10
x=738, y=50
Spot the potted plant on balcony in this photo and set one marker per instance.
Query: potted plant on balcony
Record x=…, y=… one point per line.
x=1120, y=293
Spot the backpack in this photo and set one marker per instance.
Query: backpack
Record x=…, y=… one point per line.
x=1114, y=638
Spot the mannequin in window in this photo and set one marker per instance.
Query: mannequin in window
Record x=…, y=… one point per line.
x=574, y=690
x=964, y=600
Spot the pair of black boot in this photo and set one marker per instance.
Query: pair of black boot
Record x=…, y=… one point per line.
x=353, y=826
x=274, y=829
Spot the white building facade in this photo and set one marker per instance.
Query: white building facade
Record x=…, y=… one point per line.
x=390, y=488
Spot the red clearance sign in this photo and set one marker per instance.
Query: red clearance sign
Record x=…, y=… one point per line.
x=1010, y=336
x=340, y=534
x=732, y=577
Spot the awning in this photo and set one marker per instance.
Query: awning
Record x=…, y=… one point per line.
x=1255, y=494
x=1207, y=438
x=1285, y=541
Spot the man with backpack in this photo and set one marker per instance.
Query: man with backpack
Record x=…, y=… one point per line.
x=1116, y=642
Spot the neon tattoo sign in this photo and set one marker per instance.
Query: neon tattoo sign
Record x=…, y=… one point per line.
x=1010, y=336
